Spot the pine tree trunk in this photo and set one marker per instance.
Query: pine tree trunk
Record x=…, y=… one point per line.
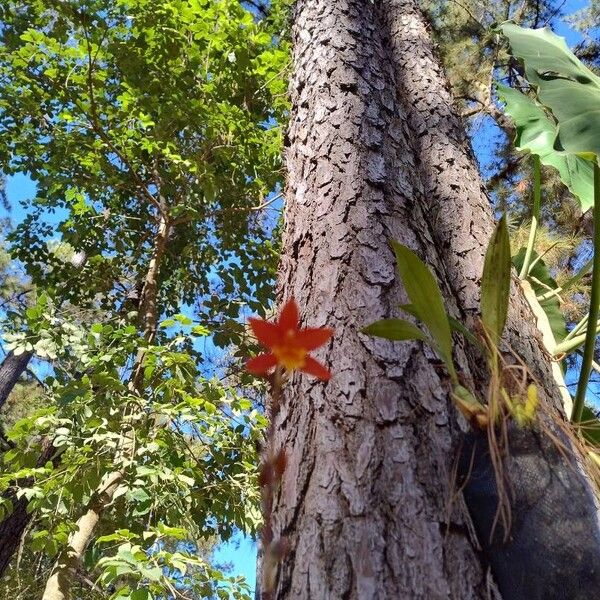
x=455, y=202
x=377, y=153
x=12, y=367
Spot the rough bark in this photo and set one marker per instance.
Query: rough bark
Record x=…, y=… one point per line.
x=12, y=367
x=454, y=202
x=562, y=522
x=363, y=500
x=378, y=153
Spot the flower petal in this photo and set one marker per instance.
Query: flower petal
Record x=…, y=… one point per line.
x=313, y=337
x=313, y=367
x=261, y=364
x=289, y=316
x=268, y=334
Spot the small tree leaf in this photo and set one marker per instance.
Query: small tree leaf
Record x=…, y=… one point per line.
x=495, y=282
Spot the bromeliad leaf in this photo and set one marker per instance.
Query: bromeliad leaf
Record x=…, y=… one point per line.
x=426, y=299
x=395, y=329
x=495, y=282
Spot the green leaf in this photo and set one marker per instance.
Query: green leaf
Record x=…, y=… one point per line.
x=183, y=319
x=457, y=326
x=395, y=329
x=536, y=133
x=495, y=282
x=590, y=426
x=411, y=310
x=564, y=84
x=426, y=298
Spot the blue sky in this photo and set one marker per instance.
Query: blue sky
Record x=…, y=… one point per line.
x=241, y=551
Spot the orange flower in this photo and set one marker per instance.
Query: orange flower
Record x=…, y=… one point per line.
x=288, y=344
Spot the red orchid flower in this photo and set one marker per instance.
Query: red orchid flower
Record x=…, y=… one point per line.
x=288, y=344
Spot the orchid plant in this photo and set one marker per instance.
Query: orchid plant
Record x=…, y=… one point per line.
x=289, y=350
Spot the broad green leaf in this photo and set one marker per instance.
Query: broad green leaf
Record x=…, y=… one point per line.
x=536, y=133
x=426, y=298
x=495, y=282
x=395, y=329
x=564, y=84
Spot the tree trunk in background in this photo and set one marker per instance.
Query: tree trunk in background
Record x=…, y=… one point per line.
x=14, y=525
x=377, y=153
x=11, y=369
